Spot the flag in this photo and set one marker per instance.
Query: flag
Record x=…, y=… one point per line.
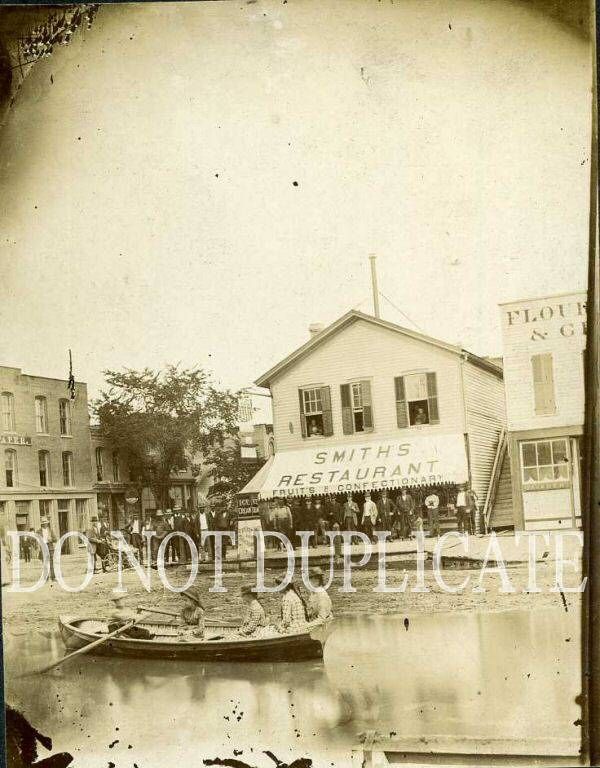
x=71, y=381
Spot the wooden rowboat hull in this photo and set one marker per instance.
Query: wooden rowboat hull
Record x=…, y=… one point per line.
x=301, y=646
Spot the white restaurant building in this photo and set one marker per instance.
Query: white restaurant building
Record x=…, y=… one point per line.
x=543, y=354
x=366, y=404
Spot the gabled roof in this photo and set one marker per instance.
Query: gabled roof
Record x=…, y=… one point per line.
x=352, y=317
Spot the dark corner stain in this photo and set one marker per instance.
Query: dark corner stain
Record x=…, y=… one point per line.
x=406, y=624
x=450, y=26
x=21, y=744
x=578, y=722
x=112, y=744
x=295, y=183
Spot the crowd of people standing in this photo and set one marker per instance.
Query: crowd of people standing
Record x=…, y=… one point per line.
x=401, y=512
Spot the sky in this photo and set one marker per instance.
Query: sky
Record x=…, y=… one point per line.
x=201, y=181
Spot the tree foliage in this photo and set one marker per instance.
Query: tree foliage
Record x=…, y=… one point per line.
x=164, y=421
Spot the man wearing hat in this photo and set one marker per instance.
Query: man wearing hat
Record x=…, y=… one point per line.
x=94, y=541
x=255, y=617
x=49, y=537
x=192, y=615
x=319, y=606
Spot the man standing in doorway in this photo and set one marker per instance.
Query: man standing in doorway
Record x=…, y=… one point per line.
x=461, y=508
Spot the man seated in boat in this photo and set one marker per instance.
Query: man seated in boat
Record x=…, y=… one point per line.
x=255, y=618
x=121, y=616
x=192, y=616
x=293, y=610
x=319, y=606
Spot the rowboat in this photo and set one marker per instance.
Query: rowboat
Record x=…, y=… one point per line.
x=221, y=642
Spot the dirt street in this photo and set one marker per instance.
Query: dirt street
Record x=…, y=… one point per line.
x=26, y=612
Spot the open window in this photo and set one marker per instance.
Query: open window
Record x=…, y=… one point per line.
x=416, y=399
x=357, y=407
x=315, y=412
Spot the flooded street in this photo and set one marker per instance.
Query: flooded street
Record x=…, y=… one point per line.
x=512, y=674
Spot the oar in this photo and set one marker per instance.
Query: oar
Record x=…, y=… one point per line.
x=210, y=622
x=86, y=648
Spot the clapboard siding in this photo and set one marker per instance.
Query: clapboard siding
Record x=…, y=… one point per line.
x=365, y=351
x=502, y=505
x=485, y=417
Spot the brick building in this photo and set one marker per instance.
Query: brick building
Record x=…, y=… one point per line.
x=543, y=353
x=46, y=454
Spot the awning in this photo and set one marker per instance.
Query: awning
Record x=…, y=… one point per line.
x=322, y=469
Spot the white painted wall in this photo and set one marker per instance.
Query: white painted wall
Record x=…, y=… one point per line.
x=364, y=351
x=552, y=324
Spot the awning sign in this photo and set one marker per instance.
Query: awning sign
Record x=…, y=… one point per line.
x=366, y=466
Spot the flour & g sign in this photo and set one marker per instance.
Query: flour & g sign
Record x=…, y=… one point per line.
x=367, y=466
x=553, y=319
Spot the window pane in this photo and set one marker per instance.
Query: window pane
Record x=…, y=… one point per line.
x=544, y=453
x=561, y=471
x=559, y=451
x=530, y=474
x=416, y=386
x=546, y=473
x=529, y=459
x=357, y=395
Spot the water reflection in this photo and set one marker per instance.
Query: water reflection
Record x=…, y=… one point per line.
x=511, y=674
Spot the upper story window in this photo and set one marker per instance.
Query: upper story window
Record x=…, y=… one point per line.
x=10, y=468
x=315, y=411
x=67, y=468
x=543, y=384
x=416, y=399
x=245, y=408
x=116, y=469
x=44, y=467
x=41, y=415
x=7, y=405
x=99, y=464
x=64, y=417
x=357, y=407
x=544, y=461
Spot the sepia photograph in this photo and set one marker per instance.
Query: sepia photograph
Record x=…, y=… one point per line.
x=299, y=383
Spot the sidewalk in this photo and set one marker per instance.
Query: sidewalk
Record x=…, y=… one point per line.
x=453, y=549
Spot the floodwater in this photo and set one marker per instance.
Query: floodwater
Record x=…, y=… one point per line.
x=512, y=674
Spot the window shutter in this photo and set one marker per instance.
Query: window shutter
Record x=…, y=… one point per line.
x=543, y=384
x=367, y=404
x=347, y=423
x=432, y=399
x=401, y=410
x=302, y=419
x=326, y=404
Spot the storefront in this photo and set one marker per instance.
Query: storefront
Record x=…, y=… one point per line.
x=366, y=405
x=543, y=346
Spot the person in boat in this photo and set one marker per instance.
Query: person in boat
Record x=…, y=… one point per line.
x=255, y=617
x=293, y=610
x=192, y=616
x=319, y=606
x=122, y=615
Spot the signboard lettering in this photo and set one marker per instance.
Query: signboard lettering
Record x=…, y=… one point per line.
x=15, y=440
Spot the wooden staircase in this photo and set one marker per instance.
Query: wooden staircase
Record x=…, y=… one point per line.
x=497, y=468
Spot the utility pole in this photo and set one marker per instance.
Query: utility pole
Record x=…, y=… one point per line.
x=373, y=258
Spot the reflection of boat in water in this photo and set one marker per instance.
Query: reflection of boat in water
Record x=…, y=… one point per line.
x=225, y=645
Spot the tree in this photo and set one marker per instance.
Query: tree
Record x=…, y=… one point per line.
x=163, y=421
